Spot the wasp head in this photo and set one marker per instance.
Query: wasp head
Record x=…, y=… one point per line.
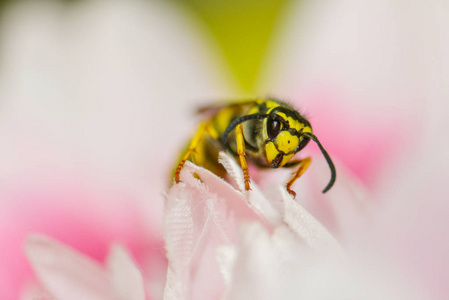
x=284, y=136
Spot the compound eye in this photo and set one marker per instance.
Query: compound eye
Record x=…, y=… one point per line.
x=273, y=127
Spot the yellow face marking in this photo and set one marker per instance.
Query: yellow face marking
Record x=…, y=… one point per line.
x=271, y=152
x=286, y=142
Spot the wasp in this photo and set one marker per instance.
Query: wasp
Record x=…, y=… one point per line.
x=265, y=132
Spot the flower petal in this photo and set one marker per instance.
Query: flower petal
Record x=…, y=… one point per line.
x=235, y=200
x=264, y=262
x=65, y=273
x=33, y=291
x=201, y=216
x=233, y=169
x=255, y=197
x=126, y=278
x=202, y=221
x=178, y=234
x=226, y=256
x=305, y=225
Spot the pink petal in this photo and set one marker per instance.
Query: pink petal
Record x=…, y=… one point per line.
x=126, y=278
x=202, y=220
x=192, y=229
x=65, y=273
x=85, y=216
x=236, y=200
x=33, y=291
x=199, y=217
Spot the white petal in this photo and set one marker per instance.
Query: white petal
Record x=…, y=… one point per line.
x=306, y=226
x=226, y=256
x=199, y=217
x=256, y=199
x=178, y=235
x=65, y=273
x=32, y=291
x=201, y=222
x=126, y=278
x=236, y=200
x=196, y=222
x=234, y=170
x=279, y=267
x=264, y=262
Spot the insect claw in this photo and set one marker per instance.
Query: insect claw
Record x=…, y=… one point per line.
x=291, y=192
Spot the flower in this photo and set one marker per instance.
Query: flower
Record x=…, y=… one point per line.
x=93, y=95
x=225, y=242
x=203, y=221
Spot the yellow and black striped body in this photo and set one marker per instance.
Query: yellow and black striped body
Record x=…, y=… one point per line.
x=267, y=132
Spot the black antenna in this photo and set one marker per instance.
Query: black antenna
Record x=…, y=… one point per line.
x=328, y=159
x=237, y=121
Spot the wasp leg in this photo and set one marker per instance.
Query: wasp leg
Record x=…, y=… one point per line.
x=193, y=144
x=241, y=153
x=303, y=165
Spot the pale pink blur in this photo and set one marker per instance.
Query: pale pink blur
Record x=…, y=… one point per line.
x=79, y=163
x=77, y=213
x=373, y=78
x=83, y=158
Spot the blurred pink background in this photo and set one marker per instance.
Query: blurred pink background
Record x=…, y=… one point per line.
x=97, y=99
